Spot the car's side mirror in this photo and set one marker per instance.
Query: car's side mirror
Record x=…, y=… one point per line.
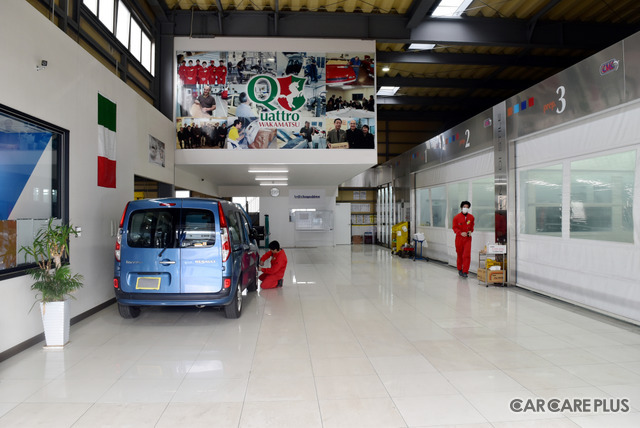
x=253, y=235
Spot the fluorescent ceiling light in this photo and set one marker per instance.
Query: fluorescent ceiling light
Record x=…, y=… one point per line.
x=266, y=171
x=385, y=68
x=274, y=184
x=448, y=8
x=422, y=46
x=271, y=178
x=388, y=90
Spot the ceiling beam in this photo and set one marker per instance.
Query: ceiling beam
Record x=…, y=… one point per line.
x=475, y=59
x=531, y=25
x=393, y=29
x=418, y=11
x=418, y=82
x=476, y=31
x=425, y=115
x=435, y=101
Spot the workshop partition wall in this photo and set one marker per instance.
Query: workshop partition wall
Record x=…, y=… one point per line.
x=576, y=138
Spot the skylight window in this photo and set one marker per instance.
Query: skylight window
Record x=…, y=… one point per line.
x=388, y=90
x=449, y=8
x=421, y=46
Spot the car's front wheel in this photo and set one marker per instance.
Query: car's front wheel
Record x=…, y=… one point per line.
x=128, y=312
x=234, y=308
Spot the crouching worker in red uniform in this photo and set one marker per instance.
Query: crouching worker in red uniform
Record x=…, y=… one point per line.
x=463, y=224
x=271, y=277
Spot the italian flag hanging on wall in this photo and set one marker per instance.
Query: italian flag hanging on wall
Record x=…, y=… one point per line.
x=106, y=142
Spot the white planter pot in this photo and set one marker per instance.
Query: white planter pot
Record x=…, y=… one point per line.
x=56, y=321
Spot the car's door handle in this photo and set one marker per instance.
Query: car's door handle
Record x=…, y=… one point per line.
x=168, y=262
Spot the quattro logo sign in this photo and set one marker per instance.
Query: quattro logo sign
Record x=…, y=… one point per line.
x=282, y=93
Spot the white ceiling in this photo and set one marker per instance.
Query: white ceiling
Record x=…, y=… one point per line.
x=305, y=168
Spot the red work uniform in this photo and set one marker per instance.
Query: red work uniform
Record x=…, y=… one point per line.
x=191, y=76
x=182, y=71
x=222, y=74
x=463, y=223
x=203, y=75
x=271, y=275
x=213, y=74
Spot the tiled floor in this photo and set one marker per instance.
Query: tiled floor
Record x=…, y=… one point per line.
x=355, y=338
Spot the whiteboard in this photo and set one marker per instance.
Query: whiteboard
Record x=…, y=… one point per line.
x=313, y=220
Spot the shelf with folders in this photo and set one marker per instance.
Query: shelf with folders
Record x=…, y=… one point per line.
x=363, y=219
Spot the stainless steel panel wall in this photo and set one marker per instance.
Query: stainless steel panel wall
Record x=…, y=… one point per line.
x=469, y=137
x=632, y=67
x=590, y=86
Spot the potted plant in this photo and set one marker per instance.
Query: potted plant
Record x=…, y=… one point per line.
x=53, y=279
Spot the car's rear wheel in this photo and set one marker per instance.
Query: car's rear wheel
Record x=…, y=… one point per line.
x=128, y=312
x=234, y=308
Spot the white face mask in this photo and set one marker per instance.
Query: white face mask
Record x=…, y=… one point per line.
x=465, y=210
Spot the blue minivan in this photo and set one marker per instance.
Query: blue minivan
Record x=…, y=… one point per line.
x=184, y=251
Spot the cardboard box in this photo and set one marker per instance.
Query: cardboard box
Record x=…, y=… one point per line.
x=495, y=276
x=356, y=239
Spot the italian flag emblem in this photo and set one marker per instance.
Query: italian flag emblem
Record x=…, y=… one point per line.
x=106, y=142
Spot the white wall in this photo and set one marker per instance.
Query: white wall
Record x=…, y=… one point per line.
x=278, y=208
x=602, y=275
x=65, y=94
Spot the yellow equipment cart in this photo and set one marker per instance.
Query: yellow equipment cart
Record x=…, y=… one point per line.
x=399, y=236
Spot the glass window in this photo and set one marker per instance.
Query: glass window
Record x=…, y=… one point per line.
x=199, y=228
x=540, y=201
x=439, y=206
x=135, y=40
x=124, y=19
x=602, y=197
x=92, y=5
x=235, y=235
x=153, y=228
x=152, y=70
x=483, y=203
x=105, y=14
x=457, y=192
x=244, y=226
x=424, y=207
x=32, y=171
x=146, y=52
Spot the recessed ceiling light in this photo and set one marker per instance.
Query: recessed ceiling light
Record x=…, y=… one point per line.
x=272, y=178
x=267, y=170
x=274, y=184
x=385, y=68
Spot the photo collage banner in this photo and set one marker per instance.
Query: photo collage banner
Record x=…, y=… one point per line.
x=275, y=100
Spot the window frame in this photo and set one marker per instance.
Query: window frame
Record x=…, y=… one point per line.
x=60, y=180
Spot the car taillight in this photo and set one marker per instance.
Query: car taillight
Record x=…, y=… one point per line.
x=123, y=213
x=116, y=283
x=118, y=244
x=227, y=282
x=224, y=235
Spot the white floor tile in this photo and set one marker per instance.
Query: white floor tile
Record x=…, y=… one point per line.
x=273, y=389
x=121, y=415
x=200, y=415
x=341, y=387
x=360, y=412
x=437, y=410
x=281, y=414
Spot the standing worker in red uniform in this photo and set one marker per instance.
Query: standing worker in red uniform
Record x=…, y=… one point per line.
x=463, y=224
x=271, y=277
